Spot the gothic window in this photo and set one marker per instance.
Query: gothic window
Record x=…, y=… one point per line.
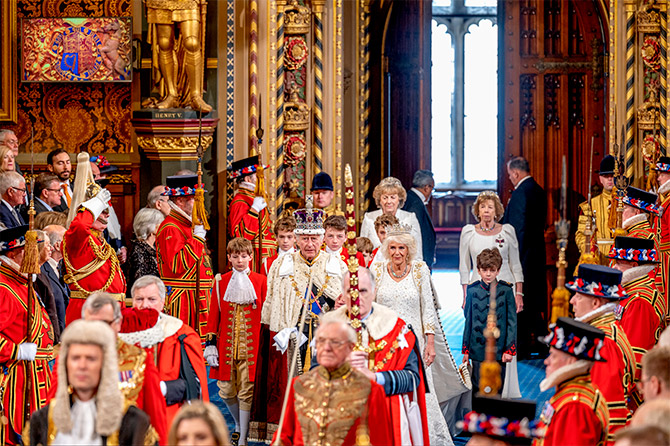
x=465, y=94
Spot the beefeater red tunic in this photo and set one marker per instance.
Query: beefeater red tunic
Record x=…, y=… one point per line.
x=90, y=264
x=243, y=221
x=575, y=415
x=616, y=377
x=13, y=323
x=221, y=326
x=641, y=314
x=662, y=228
x=181, y=263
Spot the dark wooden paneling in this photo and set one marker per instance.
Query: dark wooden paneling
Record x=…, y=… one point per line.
x=401, y=33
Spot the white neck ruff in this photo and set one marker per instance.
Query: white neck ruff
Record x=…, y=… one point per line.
x=566, y=372
x=635, y=273
x=635, y=219
x=600, y=311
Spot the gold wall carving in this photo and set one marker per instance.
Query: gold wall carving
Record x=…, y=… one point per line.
x=172, y=148
x=8, y=59
x=95, y=117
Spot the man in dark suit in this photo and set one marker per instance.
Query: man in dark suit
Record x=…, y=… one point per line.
x=13, y=193
x=51, y=270
x=417, y=199
x=527, y=213
x=58, y=163
x=48, y=192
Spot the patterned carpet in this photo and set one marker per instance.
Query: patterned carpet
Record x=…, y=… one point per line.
x=450, y=293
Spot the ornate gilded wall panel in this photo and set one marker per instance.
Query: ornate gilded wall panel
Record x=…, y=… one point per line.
x=94, y=117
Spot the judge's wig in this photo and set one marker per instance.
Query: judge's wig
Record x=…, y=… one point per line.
x=109, y=401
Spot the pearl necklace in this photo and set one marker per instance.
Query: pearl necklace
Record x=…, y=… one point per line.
x=398, y=276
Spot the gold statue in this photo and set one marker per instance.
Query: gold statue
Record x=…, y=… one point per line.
x=177, y=67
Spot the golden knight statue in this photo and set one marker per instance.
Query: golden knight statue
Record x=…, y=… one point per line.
x=177, y=65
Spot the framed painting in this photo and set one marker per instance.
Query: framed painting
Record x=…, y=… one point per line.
x=8, y=67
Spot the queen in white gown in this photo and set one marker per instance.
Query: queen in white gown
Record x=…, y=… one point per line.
x=487, y=234
x=403, y=285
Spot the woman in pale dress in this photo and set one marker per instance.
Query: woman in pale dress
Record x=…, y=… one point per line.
x=390, y=196
x=403, y=284
x=488, y=233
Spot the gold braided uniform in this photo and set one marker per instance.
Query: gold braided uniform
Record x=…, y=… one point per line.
x=601, y=208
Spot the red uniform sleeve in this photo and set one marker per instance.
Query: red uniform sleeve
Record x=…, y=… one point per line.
x=152, y=399
x=243, y=219
x=213, y=320
x=177, y=254
x=574, y=424
x=76, y=237
x=640, y=322
x=664, y=243
x=8, y=328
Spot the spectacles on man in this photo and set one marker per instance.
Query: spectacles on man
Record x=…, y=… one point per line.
x=54, y=190
x=335, y=343
x=20, y=190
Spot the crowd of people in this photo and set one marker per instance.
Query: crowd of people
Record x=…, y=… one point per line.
x=311, y=334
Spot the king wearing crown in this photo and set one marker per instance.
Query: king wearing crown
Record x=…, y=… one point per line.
x=288, y=295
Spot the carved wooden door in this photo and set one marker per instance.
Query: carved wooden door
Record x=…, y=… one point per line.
x=553, y=93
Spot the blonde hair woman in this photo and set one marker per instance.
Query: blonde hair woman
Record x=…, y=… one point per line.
x=7, y=159
x=390, y=197
x=198, y=424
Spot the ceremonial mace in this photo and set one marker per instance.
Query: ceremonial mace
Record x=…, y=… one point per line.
x=560, y=297
x=352, y=263
x=199, y=214
x=589, y=255
x=31, y=266
x=362, y=433
x=621, y=183
x=260, y=185
x=489, y=371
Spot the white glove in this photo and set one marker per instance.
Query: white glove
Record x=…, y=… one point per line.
x=27, y=351
x=212, y=355
x=199, y=231
x=259, y=204
x=98, y=203
x=163, y=388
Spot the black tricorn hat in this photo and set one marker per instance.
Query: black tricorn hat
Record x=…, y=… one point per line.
x=607, y=165
x=663, y=164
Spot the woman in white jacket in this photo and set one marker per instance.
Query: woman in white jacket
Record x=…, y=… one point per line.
x=390, y=196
